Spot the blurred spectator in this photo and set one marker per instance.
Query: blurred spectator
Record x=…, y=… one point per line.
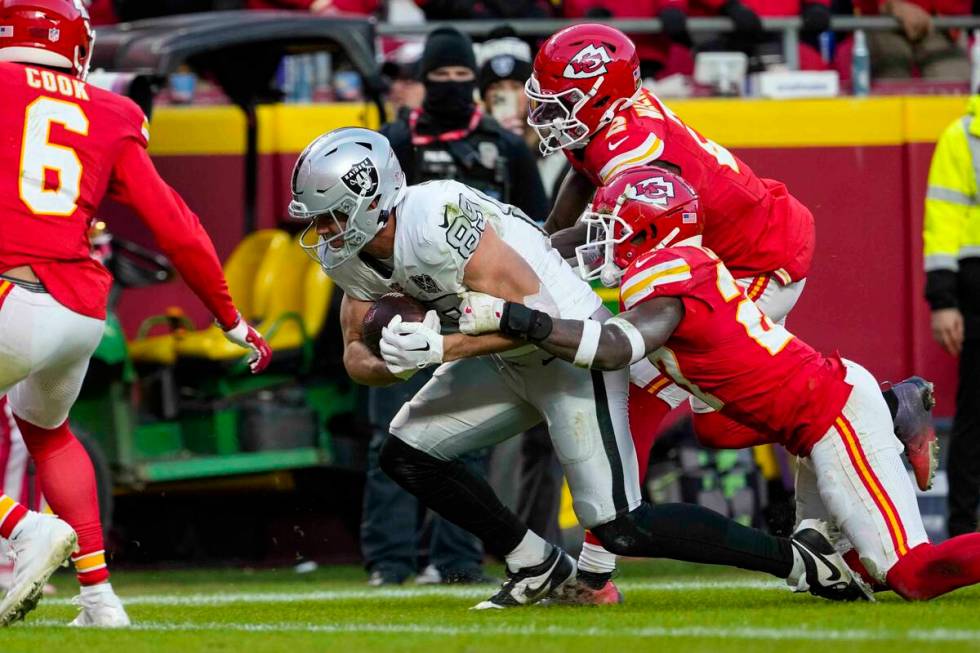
x=660, y=54
x=505, y=64
x=951, y=240
x=449, y=136
x=362, y=7
x=400, y=68
x=483, y=9
x=749, y=36
x=917, y=46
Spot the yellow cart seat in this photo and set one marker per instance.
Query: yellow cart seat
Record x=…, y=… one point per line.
x=153, y=350
x=297, y=303
x=248, y=283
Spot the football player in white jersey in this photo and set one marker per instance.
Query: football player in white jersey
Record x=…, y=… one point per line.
x=434, y=241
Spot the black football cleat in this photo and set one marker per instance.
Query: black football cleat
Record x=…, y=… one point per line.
x=825, y=573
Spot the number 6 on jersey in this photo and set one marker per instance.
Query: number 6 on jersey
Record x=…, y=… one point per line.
x=40, y=159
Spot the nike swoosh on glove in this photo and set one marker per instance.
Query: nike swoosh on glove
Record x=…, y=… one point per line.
x=481, y=313
x=243, y=335
x=407, y=347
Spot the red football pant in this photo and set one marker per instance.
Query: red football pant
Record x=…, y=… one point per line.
x=646, y=412
x=68, y=483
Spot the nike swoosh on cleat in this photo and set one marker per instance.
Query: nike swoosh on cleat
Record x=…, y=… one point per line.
x=834, y=573
x=534, y=592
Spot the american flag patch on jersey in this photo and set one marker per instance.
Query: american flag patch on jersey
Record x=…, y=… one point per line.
x=689, y=218
x=6, y=31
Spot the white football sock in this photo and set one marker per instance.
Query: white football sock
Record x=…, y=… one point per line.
x=596, y=559
x=530, y=552
x=98, y=588
x=798, y=572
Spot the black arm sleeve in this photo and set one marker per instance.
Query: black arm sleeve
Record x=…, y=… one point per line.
x=941, y=289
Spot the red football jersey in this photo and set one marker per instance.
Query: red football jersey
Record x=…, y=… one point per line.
x=731, y=356
x=753, y=224
x=65, y=146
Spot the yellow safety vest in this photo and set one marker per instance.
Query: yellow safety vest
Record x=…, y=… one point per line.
x=951, y=231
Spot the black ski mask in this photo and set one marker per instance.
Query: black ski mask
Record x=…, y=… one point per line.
x=449, y=103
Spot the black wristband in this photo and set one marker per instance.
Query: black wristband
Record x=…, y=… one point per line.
x=520, y=321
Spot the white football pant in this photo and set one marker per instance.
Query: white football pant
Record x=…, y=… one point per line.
x=854, y=480
x=44, y=353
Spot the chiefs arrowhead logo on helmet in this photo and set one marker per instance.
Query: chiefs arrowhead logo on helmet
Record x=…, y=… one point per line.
x=655, y=190
x=590, y=61
x=362, y=178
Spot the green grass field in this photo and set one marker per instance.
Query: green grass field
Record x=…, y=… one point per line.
x=668, y=607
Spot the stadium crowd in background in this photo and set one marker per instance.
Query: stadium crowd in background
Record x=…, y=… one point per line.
x=916, y=50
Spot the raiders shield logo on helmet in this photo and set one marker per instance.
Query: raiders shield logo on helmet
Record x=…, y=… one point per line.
x=590, y=61
x=362, y=178
x=655, y=190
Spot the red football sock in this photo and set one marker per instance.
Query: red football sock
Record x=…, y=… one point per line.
x=68, y=482
x=11, y=513
x=853, y=561
x=930, y=570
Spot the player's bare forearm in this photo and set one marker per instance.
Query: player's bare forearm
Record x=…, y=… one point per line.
x=364, y=367
x=360, y=362
x=573, y=196
x=624, y=340
x=613, y=352
x=457, y=345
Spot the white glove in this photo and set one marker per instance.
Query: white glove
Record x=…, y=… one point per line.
x=481, y=313
x=407, y=347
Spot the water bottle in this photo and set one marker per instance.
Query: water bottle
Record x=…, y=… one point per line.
x=860, y=66
x=975, y=63
x=826, y=41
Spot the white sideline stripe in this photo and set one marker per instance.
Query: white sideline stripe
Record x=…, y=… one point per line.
x=721, y=632
x=225, y=598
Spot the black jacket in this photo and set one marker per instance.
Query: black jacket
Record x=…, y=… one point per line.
x=526, y=191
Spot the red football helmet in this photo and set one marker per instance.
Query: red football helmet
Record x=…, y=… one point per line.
x=55, y=33
x=582, y=75
x=638, y=211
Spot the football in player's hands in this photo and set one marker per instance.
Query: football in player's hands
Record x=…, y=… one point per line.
x=381, y=314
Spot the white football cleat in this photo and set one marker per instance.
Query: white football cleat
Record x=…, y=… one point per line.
x=39, y=544
x=101, y=608
x=531, y=584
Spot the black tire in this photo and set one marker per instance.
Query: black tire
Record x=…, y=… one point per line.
x=103, y=477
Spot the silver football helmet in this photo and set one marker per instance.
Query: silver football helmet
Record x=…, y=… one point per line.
x=352, y=176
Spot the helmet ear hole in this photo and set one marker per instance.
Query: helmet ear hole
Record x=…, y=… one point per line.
x=640, y=238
